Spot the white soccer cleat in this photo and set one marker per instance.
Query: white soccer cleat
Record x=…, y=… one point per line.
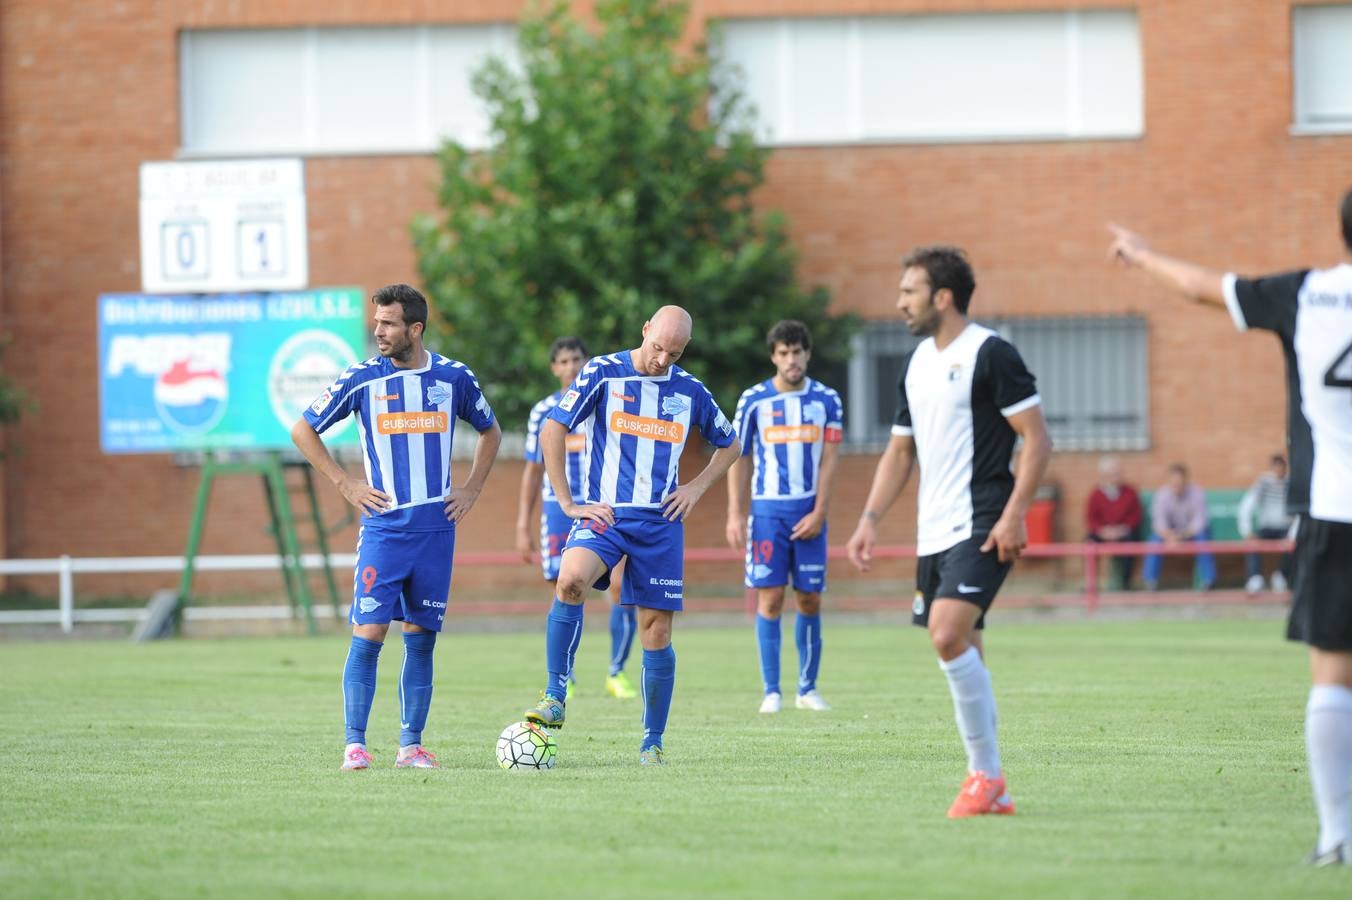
x=355, y=757
x=1279, y=582
x=1254, y=584
x=813, y=701
x=770, y=704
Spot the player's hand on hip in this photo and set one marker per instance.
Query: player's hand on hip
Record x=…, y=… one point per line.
x=736, y=532
x=1007, y=538
x=363, y=496
x=680, y=501
x=459, y=502
x=808, y=527
x=859, y=548
x=596, y=512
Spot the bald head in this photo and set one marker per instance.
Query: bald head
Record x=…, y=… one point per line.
x=664, y=338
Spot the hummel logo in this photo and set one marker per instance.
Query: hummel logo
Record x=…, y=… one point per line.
x=968, y=589
x=403, y=725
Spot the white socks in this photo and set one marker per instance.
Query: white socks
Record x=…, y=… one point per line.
x=974, y=704
x=1328, y=741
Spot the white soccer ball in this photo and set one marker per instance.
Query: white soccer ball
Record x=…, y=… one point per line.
x=527, y=746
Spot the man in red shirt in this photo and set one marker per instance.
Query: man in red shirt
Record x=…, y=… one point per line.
x=1114, y=514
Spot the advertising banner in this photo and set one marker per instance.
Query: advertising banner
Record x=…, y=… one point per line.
x=225, y=371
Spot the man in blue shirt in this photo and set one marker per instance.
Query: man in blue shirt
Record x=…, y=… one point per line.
x=636, y=408
x=406, y=402
x=790, y=425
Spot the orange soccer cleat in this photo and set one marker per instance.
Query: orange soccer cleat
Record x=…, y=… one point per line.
x=982, y=795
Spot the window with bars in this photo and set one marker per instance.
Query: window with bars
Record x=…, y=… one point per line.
x=1092, y=374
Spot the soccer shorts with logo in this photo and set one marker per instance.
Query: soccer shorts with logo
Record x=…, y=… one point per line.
x=1321, y=604
x=654, y=576
x=962, y=572
x=554, y=528
x=771, y=554
x=404, y=575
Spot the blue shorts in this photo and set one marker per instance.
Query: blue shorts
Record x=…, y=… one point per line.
x=403, y=575
x=654, y=576
x=554, y=528
x=771, y=554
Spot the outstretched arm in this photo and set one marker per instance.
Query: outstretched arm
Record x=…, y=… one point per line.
x=1182, y=277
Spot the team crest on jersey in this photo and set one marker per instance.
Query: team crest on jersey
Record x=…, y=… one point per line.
x=955, y=372
x=438, y=393
x=675, y=404
x=814, y=411
x=569, y=401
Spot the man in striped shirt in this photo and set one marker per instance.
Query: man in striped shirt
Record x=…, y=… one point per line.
x=566, y=358
x=406, y=402
x=636, y=408
x=790, y=426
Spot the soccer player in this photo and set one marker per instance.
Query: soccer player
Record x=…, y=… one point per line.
x=566, y=358
x=636, y=408
x=1310, y=310
x=405, y=401
x=791, y=427
x=964, y=397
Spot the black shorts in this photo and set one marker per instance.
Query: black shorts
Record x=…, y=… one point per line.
x=1321, y=606
x=962, y=572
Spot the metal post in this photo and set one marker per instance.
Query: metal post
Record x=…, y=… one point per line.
x=321, y=538
x=1091, y=576
x=66, y=578
x=199, y=517
x=286, y=527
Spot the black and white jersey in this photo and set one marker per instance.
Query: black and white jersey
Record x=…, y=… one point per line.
x=953, y=403
x=1311, y=313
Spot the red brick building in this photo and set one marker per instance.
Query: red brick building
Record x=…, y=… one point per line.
x=1222, y=133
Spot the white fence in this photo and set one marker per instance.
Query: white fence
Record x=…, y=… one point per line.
x=65, y=568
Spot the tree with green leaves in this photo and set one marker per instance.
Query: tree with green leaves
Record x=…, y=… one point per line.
x=620, y=178
x=13, y=402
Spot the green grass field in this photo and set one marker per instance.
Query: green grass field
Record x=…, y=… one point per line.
x=1147, y=759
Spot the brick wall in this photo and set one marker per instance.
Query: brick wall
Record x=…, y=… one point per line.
x=88, y=91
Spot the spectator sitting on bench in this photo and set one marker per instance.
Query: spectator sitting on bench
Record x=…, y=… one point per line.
x=1114, y=514
x=1262, y=514
x=1178, y=513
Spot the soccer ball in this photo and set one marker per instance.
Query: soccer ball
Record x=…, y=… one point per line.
x=528, y=746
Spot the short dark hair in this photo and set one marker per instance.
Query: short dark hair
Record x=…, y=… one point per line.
x=947, y=267
x=1179, y=468
x=789, y=332
x=413, y=303
x=1345, y=213
x=1277, y=460
x=566, y=343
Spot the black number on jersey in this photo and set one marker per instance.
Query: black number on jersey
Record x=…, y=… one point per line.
x=1332, y=378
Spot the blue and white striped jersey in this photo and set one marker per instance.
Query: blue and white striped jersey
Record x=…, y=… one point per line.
x=406, y=418
x=575, y=443
x=636, y=427
x=785, y=433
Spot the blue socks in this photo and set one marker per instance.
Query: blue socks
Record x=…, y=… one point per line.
x=563, y=632
x=415, y=685
x=623, y=624
x=767, y=635
x=659, y=679
x=359, y=686
x=808, y=635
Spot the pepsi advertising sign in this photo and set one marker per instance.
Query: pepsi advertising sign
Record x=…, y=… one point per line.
x=225, y=371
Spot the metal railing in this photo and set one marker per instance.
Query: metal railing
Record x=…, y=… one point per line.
x=65, y=568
